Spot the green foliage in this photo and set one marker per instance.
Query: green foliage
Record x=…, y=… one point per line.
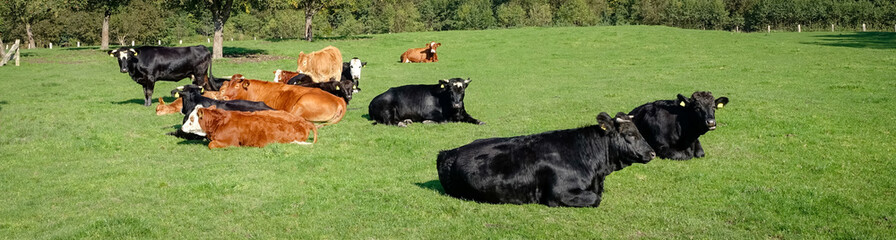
x=511, y=14
x=475, y=14
x=540, y=14
x=148, y=13
x=574, y=12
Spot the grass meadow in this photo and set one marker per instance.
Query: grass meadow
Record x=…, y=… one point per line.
x=805, y=149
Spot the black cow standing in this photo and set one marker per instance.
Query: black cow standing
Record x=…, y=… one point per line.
x=439, y=103
x=343, y=88
x=146, y=65
x=557, y=168
x=192, y=96
x=672, y=127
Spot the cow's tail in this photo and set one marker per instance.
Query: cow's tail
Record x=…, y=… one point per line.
x=314, y=129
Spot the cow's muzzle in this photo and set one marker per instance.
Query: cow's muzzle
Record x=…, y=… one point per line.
x=124, y=70
x=711, y=124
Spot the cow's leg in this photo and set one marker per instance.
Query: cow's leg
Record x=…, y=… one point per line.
x=698, y=149
x=147, y=93
x=218, y=144
x=569, y=191
x=465, y=117
x=598, y=190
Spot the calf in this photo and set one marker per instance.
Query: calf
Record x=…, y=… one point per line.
x=443, y=102
x=322, y=66
x=343, y=88
x=192, y=97
x=421, y=55
x=672, y=127
x=310, y=103
x=256, y=129
x=177, y=104
x=557, y=168
x=146, y=65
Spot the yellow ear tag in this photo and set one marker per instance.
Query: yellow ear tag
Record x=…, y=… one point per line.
x=682, y=104
x=135, y=53
x=443, y=85
x=604, y=127
x=176, y=95
x=337, y=87
x=111, y=54
x=720, y=105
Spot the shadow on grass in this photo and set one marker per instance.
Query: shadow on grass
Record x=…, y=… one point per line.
x=336, y=38
x=230, y=52
x=4, y=102
x=155, y=101
x=85, y=48
x=433, y=185
x=873, y=40
x=367, y=116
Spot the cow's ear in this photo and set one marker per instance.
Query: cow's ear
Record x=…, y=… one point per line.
x=605, y=122
x=443, y=82
x=363, y=64
x=337, y=87
x=111, y=53
x=721, y=102
x=467, y=81
x=682, y=101
x=245, y=84
x=134, y=51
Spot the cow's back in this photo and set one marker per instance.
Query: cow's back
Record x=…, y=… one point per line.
x=324, y=65
x=415, y=102
x=258, y=129
x=312, y=104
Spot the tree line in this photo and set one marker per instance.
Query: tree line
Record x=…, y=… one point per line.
x=65, y=22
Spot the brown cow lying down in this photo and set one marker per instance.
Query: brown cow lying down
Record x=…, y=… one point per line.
x=421, y=55
x=323, y=66
x=175, y=107
x=256, y=129
x=313, y=104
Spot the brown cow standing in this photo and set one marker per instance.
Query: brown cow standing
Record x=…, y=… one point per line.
x=256, y=129
x=313, y=104
x=323, y=66
x=421, y=55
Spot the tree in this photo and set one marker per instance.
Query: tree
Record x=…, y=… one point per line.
x=312, y=7
x=108, y=7
x=220, y=11
x=28, y=12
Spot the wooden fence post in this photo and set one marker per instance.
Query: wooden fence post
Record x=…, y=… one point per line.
x=79, y=44
x=181, y=42
x=832, y=27
x=51, y=45
x=769, y=28
x=863, y=27
x=2, y=50
x=14, y=50
x=160, y=42
x=799, y=28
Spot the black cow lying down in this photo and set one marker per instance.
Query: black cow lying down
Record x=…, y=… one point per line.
x=343, y=88
x=557, y=168
x=672, y=127
x=146, y=65
x=439, y=103
x=192, y=96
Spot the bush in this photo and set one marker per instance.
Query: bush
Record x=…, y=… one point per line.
x=511, y=14
x=539, y=15
x=475, y=14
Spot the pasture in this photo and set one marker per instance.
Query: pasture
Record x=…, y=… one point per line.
x=805, y=149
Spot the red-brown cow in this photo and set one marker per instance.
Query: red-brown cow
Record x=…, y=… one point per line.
x=421, y=55
x=323, y=66
x=313, y=104
x=175, y=107
x=256, y=129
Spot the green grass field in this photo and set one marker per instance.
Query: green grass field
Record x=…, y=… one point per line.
x=805, y=149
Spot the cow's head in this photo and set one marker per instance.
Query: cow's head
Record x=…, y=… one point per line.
x=124, y=56
x=346, y=87
x=625, y=142
x=191, y=125
x=299, y=79
x=703, y=107
x=432, y=46
x=355, y=66
x=236, y=88
x=455, y=88
x=303, y=61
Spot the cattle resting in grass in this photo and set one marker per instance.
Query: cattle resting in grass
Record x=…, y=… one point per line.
x=177, y=104
x=193, y=95
x=312, y=104
x=556, y=168
x=323, y=66
x=256, y=129
x=439, y=103
x=146, y=65
x=343, y=88
x=421, y=55
x=672, y=127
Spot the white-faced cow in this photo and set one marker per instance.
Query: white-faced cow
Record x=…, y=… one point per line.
x=439, y=103
x=344, y=88
x=192, y=97
x=146, y=65
x=557, y=168
x=352, y=70
x=672, y=127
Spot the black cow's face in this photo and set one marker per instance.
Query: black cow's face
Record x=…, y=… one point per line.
x=626, y=142
x=455, y=88
x=704, y=106
x=347, y=87
x=124, y=55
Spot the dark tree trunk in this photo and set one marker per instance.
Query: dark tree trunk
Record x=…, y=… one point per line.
x=105, y=35
x=309, y=35
x=218, y=48
x=31, y=44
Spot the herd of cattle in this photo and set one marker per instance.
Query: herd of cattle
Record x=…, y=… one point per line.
x=555, y=168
